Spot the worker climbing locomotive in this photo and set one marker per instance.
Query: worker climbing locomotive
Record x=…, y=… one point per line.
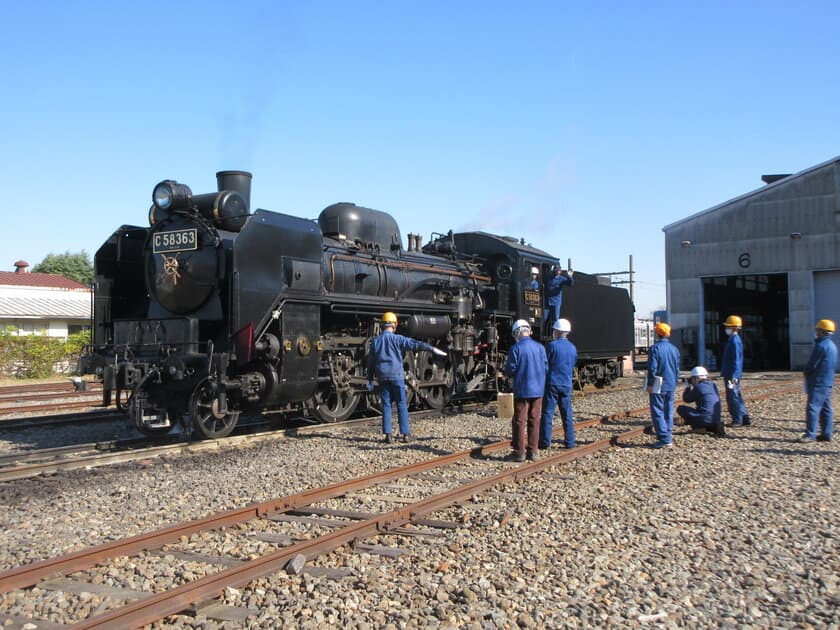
x=213, y=310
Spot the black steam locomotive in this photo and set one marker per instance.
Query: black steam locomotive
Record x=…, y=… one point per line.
x=214, y=310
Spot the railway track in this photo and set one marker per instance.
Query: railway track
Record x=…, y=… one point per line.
x=104, y=453
x=290, y=532
x=340, y=513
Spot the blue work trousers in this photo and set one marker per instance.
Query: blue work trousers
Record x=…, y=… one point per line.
x=662, y=415
x=551, y=314
x=694, y=418
x=555, y=396
x=735, y=403
x=819, y=410
x=393, y=392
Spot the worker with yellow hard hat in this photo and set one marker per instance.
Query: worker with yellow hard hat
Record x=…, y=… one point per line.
x=661, y=383
x=819, y=381
x=731, y=369
x=385, y=364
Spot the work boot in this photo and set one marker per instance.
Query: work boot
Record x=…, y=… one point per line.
x=515, y=457
x=823, y=438
x=407, y=437
x=388, y=439
x=533, y=456
x=747, y=421
x=719, y=430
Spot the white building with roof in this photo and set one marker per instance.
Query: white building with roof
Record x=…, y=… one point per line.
x=44, y=303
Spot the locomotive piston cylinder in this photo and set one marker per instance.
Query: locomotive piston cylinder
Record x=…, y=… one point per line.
x=429, y=326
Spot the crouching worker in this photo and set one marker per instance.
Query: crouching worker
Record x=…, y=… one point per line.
x=704, y=394
x=385, y=362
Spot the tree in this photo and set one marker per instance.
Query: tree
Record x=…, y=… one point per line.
x=74, y=266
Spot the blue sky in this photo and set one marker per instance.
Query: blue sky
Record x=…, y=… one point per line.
x=583, y=129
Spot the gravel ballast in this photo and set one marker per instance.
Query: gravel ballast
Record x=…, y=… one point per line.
x=738, y=531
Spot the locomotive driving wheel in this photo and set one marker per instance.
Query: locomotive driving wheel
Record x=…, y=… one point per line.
x=208, y=420
x=338, y=398
x=434, y=379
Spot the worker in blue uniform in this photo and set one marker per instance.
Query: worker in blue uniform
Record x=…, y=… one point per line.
x=526, y=366
x=704, y=394
x=731, y=368
x=535, y=279
x=819, y=381
x=385, y=363
x=661, y=382
x=554, y=294
x=562, y=356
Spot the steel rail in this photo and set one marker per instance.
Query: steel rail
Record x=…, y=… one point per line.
x=28, y=575
x=156, y=607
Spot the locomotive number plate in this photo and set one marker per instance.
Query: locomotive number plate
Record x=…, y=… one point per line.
x=175, y=241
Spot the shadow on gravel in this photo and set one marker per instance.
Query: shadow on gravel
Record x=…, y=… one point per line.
x=825, y=451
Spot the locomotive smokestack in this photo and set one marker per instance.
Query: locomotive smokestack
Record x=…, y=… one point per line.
x=410, y=242
x=238, y=181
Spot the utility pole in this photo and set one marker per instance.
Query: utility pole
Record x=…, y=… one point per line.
x=629, y=273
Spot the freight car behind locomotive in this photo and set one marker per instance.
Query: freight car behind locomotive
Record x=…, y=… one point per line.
x=213, y=310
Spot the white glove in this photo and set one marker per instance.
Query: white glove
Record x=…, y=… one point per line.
x=439, y=352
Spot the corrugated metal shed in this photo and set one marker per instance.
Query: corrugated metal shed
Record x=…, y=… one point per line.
x=790, y=226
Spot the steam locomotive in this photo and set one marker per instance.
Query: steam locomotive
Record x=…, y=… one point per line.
x=213, y=310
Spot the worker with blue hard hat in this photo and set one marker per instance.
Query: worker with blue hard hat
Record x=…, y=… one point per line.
x=660, y=383
x=819, y=381
x=562, y=356
x=731, y=369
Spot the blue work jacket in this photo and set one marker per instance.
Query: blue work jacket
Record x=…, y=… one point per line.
x=732, y=363
x=562, y=356
x=705, y=395
x=664, y=361
x=554, y=288
x=385, y=360
x=820, y=369
x=527, y=366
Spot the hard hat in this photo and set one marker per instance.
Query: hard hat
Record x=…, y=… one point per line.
x=389, y=318
x=521, y=324
x=562, y=325
x=699, y=372
x=733, y=321
x=535, y=271
x=662, y=329
x=826, y=325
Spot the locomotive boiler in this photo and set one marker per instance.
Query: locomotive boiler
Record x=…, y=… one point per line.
x=214, y=310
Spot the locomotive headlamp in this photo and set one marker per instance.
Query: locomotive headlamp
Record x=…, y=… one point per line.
x=170, y=195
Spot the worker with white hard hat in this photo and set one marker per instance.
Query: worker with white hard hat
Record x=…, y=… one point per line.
x=535, y=279
x=526, y=366
x=731, y=369
x=704, y=394
x=562, y=356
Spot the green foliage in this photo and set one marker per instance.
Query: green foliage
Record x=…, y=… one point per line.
x=74, y=266
x=37, y=356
